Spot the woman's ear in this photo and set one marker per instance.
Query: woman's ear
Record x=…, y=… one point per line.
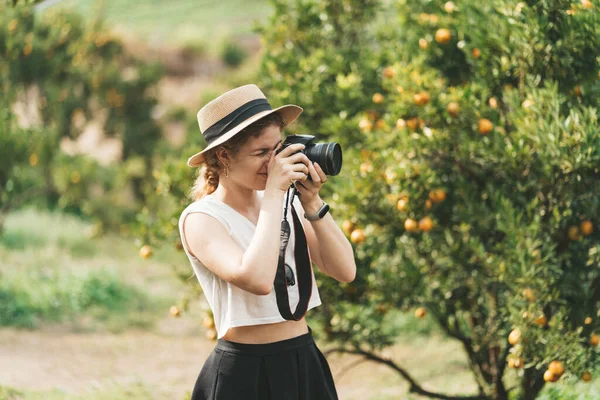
x=223, y=156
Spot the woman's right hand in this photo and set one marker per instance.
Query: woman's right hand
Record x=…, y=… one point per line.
x=287, y=167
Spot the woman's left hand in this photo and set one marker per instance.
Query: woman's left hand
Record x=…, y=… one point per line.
x=309, y=189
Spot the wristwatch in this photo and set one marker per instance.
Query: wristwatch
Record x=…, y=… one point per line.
x=319, y=214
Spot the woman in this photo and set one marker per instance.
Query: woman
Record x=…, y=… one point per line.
x=231, y=235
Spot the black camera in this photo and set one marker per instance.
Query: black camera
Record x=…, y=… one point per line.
x=327, y=155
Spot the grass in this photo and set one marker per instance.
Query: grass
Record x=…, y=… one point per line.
x=134, y=391
x=53, y=273
x=177, y=21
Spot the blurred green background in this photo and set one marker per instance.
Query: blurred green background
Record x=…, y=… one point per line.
x=97, y=299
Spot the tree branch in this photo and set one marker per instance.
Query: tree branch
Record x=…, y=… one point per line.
x=414, y=386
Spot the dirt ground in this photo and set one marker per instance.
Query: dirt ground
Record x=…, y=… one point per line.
x=171, y=358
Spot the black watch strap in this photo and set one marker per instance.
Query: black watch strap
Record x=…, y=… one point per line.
x=319, y=214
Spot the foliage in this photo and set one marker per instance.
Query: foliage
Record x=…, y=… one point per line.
x=52, y=271
x=233, y=54
x=470, y=137
x=70, y=76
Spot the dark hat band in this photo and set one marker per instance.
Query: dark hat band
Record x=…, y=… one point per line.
x=235, y=118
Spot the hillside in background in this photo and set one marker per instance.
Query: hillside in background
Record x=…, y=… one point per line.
x=177, y=21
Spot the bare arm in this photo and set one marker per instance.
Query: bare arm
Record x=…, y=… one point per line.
x=259, y=263
x=330, y=249
x=253, y=270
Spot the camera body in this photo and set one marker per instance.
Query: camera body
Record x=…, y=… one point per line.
x=327, y=155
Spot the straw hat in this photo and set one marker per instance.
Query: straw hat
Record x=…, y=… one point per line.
x=231, y=112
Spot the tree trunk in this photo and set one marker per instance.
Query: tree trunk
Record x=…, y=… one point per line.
x=531, y=385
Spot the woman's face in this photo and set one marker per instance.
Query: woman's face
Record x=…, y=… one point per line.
x=250, y=165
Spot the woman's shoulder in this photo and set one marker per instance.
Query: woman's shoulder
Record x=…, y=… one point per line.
x=207, y=206
x=202, y=203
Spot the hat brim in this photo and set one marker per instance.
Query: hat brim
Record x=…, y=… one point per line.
x=289, y=113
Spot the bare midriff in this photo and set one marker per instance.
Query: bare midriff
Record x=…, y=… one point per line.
x=266, y=333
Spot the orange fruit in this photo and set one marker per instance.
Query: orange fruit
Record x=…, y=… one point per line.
x=388, y=72
x=12, y=25
x=401, y=205
x=380, y=124
x=146, y=252
x=357, y=236
x=527, y=103
x=529, y=294
x=208, y=322
x=174, y=310
x=594, y=340
x=365, y=125
x=348, y=226
x=372, y=115
x=514, y=337
x=33, y=160
x=437, y=196
x=390, y=176
x=519, y=363
x=428, y=204
x=586, y=4
x=378, y=98
x=423, y=43
x=549, y=376
x=366, y=167
x=588, y=321
x=493, y=102
x=425, y=224
x=476, y=53
x=485, y=126
x=410, y=225
x=211, y=334
x=586, y=227
x=541, y=321
x=420, y=312
x=586, y=377
x=515, y=363
x=400, y=123
x=421, y=98
x=412, y=124
x=453, y=108
x=27, y=49
x=449, y=7
x=557, y=368
x=573, y=233
x=443, y=36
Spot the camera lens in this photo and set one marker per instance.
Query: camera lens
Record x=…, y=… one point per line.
x=328, y=155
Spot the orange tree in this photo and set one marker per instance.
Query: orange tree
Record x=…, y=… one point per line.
x=471, y=156
x=71, y=73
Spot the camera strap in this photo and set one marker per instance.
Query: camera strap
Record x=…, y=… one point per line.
x=303, y=267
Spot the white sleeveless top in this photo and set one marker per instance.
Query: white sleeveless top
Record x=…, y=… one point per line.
x=232, y=306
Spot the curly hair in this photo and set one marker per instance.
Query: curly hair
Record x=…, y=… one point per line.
x=207, y=179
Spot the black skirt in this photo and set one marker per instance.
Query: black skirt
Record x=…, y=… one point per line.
x=291, y=369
